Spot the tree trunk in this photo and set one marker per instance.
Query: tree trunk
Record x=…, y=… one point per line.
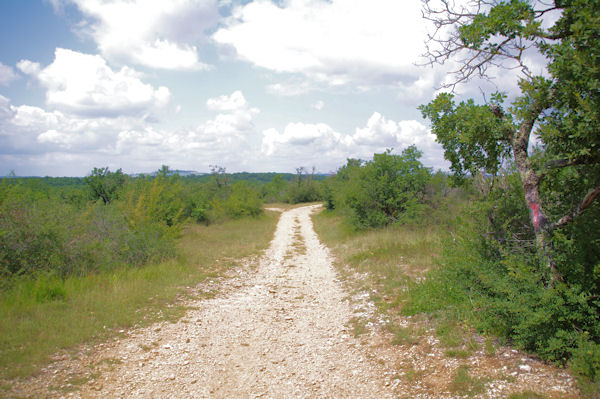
x=531, y=183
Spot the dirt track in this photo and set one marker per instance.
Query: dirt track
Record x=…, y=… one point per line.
x=279, y=329
x=280, y=333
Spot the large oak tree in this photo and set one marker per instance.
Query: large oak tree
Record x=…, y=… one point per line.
x=561, y=108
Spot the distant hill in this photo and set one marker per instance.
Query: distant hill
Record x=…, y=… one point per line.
x=171, y=173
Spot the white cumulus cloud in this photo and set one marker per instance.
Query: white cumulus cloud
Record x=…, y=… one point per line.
x=32, y=138
x=58, y=130
x=85, y=84
x=7, y=75
x=319, y=144
x=227, y=103
x=156, y=34
x=222, y=140
x=334, y=42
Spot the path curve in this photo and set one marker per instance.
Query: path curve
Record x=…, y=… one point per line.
x=280, y=333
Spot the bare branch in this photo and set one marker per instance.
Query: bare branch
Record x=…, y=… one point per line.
x=562, y=163
x=446, y=42
x=577, y=210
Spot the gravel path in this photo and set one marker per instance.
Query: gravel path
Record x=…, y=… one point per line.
x=279, y=329
x=279, y=333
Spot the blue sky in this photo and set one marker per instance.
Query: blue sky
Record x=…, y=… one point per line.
x=248, y=85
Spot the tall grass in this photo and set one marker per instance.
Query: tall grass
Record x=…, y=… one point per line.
x=39, y=317
x=388, y=258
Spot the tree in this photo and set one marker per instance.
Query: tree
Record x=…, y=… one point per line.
x=220, y=176
x=383, y=190
x=164, y=171
x=105, y=184
x=303, y=187
x=561, y=179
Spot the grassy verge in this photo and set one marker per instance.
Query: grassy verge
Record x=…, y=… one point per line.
x=389, y=264
x=39, y=318
x=386, y=259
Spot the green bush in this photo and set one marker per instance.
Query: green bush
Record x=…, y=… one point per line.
x=490, y=276
x=388, y=189
x=303, y=188
x=243, y=201
x=586, y=359
x=44, y=234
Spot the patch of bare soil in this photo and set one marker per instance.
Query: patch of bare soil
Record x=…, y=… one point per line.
x=423, y=367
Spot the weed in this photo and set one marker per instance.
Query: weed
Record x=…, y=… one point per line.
x=5, y=387
x=411, y=374
x=588, y=389
x=466, y=384
x=471, y=344
x=525, y=395
x=80, y=380
x=405, y=335
x=489, y=348
x=111, y=361
x=458, y=353
x=358, y=326
x=449, y=333
x=145, y=347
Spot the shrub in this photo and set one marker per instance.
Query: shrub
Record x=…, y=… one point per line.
x=388, y=189
x=243, y=201
x=490, y=275
x=586, y=359
x=44, y=235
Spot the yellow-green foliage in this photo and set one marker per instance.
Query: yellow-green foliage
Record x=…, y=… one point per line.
x=42, y=233
x=157, y=200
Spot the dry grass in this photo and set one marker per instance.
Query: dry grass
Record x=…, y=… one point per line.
x=387, y=259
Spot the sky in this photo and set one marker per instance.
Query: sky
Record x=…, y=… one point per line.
x=256, y=86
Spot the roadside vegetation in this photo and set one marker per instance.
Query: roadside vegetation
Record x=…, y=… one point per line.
x=462, y=261
x=81, y=259
x=511, y=236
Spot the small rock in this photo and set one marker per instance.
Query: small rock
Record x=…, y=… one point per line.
x=171, y=377
x=525, y=367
